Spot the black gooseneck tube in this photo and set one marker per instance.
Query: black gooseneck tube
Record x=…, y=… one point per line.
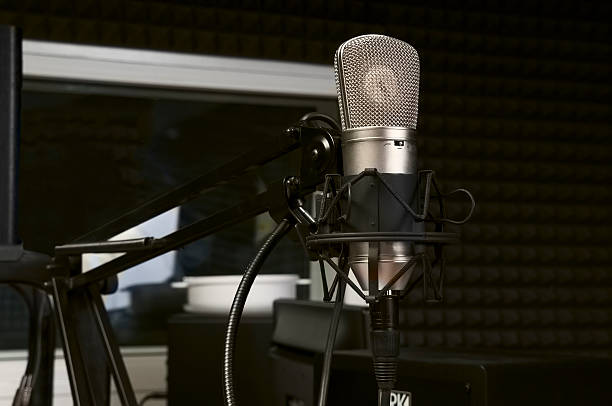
x=231, y=334
x=10, y=106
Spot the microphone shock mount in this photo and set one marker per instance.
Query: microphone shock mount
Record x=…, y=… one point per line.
x=345, y=217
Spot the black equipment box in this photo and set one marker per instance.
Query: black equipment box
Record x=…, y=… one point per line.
x=426, y=377
x=440, y=378
x=195, y=360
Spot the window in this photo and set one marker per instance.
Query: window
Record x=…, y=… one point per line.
x=89, y=152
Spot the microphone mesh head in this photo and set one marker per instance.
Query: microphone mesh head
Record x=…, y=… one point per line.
x=377, y=80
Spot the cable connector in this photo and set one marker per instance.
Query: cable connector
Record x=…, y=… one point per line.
x=23, y=395
x=385, y=343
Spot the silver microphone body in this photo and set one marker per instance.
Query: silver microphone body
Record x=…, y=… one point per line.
x=388, y=149
x=377, y=80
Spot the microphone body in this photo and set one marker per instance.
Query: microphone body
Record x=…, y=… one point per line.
x=383, y=215
x=377, y=79
x=392, y=152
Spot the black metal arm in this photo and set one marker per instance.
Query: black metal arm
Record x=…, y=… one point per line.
x=276, y=200
x=226, y=173
x=92, y=355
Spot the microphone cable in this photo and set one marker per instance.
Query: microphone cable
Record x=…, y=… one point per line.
x=238, y=306
x=37, y=304
x=153, y=396
x=320, y=117
x=331, y=340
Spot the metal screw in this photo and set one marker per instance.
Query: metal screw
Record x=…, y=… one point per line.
x=292, y=132
x=315, y=154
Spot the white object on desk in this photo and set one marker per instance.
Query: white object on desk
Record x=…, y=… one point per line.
x=214, y=294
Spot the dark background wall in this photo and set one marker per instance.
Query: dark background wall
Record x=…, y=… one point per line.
x=515, y=104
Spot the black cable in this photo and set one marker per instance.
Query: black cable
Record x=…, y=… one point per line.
x=385, y=344
x=37, y=302
x=240, y=298
x=384, y=397
x=24, y=391
x=151, y=396
x=23, y=397
x=29, y=299
x=315, y=116
x=42, y=300
x=24, y=295
x=331, y=340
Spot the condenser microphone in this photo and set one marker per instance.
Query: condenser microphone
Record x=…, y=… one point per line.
x=378, y=211
x=377, y=81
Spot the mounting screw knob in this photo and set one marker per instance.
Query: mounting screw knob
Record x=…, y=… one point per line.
x=293, y=183
x=315, y=154
x=292, y=132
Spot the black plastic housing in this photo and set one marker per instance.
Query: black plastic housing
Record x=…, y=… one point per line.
x=373, y=208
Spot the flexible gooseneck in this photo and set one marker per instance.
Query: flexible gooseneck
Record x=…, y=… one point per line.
x=238, y=306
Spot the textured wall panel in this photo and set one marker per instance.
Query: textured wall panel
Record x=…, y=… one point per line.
x=515, y=105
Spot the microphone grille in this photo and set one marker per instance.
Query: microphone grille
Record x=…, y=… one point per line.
x=377, y=81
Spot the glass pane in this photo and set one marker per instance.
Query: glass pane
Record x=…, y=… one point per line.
x=89, y=153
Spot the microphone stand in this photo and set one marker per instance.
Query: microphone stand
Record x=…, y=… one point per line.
x=21, y=268
x=78, y=295
x=91, y=352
